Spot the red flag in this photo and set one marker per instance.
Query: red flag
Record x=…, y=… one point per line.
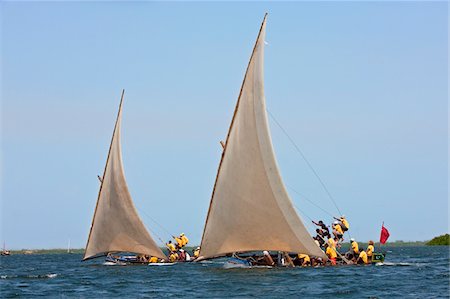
x=384, y=234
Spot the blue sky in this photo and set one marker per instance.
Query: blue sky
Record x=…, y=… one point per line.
x=360, y=86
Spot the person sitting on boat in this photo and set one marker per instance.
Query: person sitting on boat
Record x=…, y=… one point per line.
x=196, y=252
x=170, y=246
x=343, y=223
x=355, y=248
x=304, y=260
x=337, y=231
x=324, y=228
x=181, y=255
x=153, y=260
x=370, y=250
x=184, y=239
x=268, y=260
x=316, y=261
x=362, y=258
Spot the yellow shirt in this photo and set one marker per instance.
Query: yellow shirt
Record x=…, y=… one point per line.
x=355, y=247
x=345, y=222
x=153, y=259
x=363, y=256
x=184, y=239
x=331, y=242
x=305, y=257
x=370, y=250
x=179, y=241
x=331, y=252
x=170, y=246
x=196, y=252
x=173, y=257
x=338, y=228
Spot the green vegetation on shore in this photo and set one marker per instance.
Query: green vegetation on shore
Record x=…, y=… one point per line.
x=440, y=240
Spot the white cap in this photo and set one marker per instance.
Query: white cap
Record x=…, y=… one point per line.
x=335, y=222
x=181, y=250
x=351, y=239
x=265, y=252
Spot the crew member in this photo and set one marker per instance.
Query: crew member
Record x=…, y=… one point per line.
x=304, y=260
x=153, y=260
x=370, y=250
x=355, y=248
x=170, y=246
x=337, y=230
x=362, y=258
x=197, y=252
x=332, y=255
x=184, y=239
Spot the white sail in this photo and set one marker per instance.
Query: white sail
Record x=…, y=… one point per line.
x=116, y=226
x=250, y=209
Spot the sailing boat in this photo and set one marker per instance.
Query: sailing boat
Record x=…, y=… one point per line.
x=4, y=251
x=250, y=209
x=116, y=226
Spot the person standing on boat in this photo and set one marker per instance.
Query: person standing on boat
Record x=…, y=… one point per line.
x=355, y=248
x=331, y=253
x=370, y=250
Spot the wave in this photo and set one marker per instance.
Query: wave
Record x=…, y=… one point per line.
x=399, y=264
x=37, y=276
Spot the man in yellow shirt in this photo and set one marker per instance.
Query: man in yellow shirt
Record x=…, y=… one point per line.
x=344, y=223
x=337, y=230
x=170, y=246
x=355, y=248
x=332, y=255
x=153, y=260
x=184, y=239
x=196, y=252
x=179, y=241
x=304, y=259
x=362, y=258
x=370, y=250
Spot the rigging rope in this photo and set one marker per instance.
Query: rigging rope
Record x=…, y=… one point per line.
x=313, y=203
x=306, y=160
x=148, y=216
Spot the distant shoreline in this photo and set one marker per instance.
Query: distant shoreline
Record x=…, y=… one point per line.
x=81, y=250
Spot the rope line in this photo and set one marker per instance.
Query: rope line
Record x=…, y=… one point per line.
x=154, y=221
x=313, y=203
x=306, y=160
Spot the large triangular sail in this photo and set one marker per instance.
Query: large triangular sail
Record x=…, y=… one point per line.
x=116, y=226
x=250, y=209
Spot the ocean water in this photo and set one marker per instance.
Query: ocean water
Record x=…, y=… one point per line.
x=408, y=272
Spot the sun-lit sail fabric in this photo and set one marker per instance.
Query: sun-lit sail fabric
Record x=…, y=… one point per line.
x=116, y=226
x=250, y=209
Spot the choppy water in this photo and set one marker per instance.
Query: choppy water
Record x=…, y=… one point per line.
x=409, y=272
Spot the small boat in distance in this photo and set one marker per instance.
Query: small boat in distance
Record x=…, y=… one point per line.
x=4, y=251
x=116, y=230
x=250, y=209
